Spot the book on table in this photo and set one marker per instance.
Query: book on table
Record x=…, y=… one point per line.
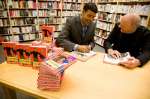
x=109, y=59
x=83, y=56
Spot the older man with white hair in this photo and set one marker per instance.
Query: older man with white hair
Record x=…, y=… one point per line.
x=129, y=36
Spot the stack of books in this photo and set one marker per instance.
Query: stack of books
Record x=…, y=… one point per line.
x=51, y=71
x=47, y=80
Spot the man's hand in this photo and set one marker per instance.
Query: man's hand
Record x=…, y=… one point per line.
x=83, y=48
x=131, y=63
x=114, y=53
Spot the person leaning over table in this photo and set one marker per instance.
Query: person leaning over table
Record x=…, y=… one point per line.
x=78, y=33
x=129, y=36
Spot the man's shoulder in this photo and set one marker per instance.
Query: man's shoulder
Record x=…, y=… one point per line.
x=142, y=28
x=117, y=24
x=73, y=19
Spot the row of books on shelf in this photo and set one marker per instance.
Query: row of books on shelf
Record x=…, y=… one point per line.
x=50, y=20
x=55, y=20
x=49, y=0
x=111, y=8
x=3, y=13
x=4, y=22
x=70, y=13
x=99, y=41
x=99, y=1
x=16, y=22
x=104, y=25
x=58, y=27
x=29, y=21
x=22, y=4
x=72, y=6
x=3, y=4
x=16, y=4
x=44, y=13
x=31, y=6
x=64, y=20
x=85, y=1
x=30, y=13
x=106, y=16
x=77, y=1
x=57, y=5
x=39, y=13
x=22, y=37
x=18, y=13
x=4, y=30
x=101, y=33
x=18, y=30
x=28, y=29
x=54, y=13
x=140, y=9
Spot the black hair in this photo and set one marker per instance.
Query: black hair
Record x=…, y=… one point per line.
x=90, y=6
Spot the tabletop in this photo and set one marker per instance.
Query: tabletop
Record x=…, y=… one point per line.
x=92, y=79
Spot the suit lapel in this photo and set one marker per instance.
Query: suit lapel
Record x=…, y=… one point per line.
x=79, y=27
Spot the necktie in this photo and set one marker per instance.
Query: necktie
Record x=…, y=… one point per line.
x=84, y=31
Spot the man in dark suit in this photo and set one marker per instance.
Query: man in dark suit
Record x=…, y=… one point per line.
x=78, y=33
x=129, y=36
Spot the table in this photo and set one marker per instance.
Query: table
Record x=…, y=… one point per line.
x=83, y=80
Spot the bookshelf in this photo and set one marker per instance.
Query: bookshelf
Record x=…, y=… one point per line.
x=70, y=8
x=110, y=12
x=20, y=20
x=50, y=14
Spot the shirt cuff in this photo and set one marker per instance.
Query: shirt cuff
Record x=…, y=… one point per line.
x=90, y=47
x=75, y=47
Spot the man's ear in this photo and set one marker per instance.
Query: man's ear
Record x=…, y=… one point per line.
x=83, y=11
x=120, y=18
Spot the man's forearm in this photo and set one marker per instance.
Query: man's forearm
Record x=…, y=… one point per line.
x=144, y=58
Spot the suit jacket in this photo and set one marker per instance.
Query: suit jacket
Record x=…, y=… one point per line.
x=71, y=34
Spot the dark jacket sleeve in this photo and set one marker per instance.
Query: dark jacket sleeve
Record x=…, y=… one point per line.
x=144, y=57
x=108, y=43
x=63, y=39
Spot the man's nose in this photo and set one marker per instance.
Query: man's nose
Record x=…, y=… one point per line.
x=91, y=19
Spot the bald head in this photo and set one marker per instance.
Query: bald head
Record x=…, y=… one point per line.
x=133, y=19
x=129, y=22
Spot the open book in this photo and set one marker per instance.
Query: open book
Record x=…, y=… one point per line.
x=83, y=56
x=109, y=59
